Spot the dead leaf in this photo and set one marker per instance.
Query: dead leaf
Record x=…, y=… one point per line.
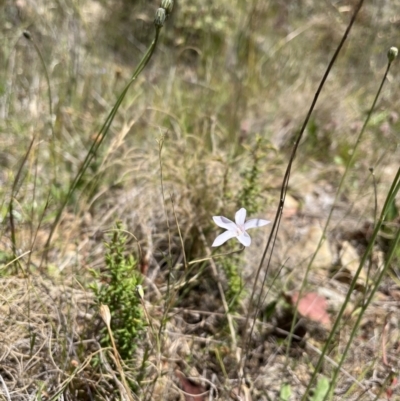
x=349, y=256
x=292, y=206
x=312, y=306
x=241, y=394
x=348, y=266
x=144, y=265
x=389, y=390
x=307, y=246
x=193, y=391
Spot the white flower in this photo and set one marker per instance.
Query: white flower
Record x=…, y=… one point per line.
x=237, y=230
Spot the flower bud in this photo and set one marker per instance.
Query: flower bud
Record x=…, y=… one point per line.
x=167, y=5
x=105, y=314
x=160, y=18
x=392, y=53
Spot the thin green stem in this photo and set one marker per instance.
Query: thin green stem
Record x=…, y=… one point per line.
x=284, y=187
x=28, y=36
x=14, y=190
x=354, y=281
x=101, y=136
x=392, y=193
x=168, y=298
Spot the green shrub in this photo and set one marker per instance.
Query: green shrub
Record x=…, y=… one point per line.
x=116, y=288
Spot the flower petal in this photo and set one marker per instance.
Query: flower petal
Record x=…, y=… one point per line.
x=255, y=223
x=240, y=216
x=223, y=222
x=222, y=238
x=244, y=239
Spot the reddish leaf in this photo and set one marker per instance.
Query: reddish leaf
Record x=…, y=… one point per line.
x=313, y=307
x=389, y=390
x=194, y=391
x=144, y=265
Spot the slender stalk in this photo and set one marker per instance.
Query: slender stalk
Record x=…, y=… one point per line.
x=28, y=36
x=14, y=190
x=284, y=186
x=169, y=298
x=391, y=195
x=102, y=135
x=377, y=227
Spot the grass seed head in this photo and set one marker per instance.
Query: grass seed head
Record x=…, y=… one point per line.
x=167, y=5
x=105, y=314
x=392, y=53
x=160, y=18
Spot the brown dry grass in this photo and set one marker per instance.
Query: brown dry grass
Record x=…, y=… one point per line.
x=221, y=74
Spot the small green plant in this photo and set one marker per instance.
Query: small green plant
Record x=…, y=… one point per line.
x=285, y=393
x=249, y=196
x=116, y=288
x=235, y=291
x=321, y=390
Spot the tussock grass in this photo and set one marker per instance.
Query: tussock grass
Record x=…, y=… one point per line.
x=225, y=89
